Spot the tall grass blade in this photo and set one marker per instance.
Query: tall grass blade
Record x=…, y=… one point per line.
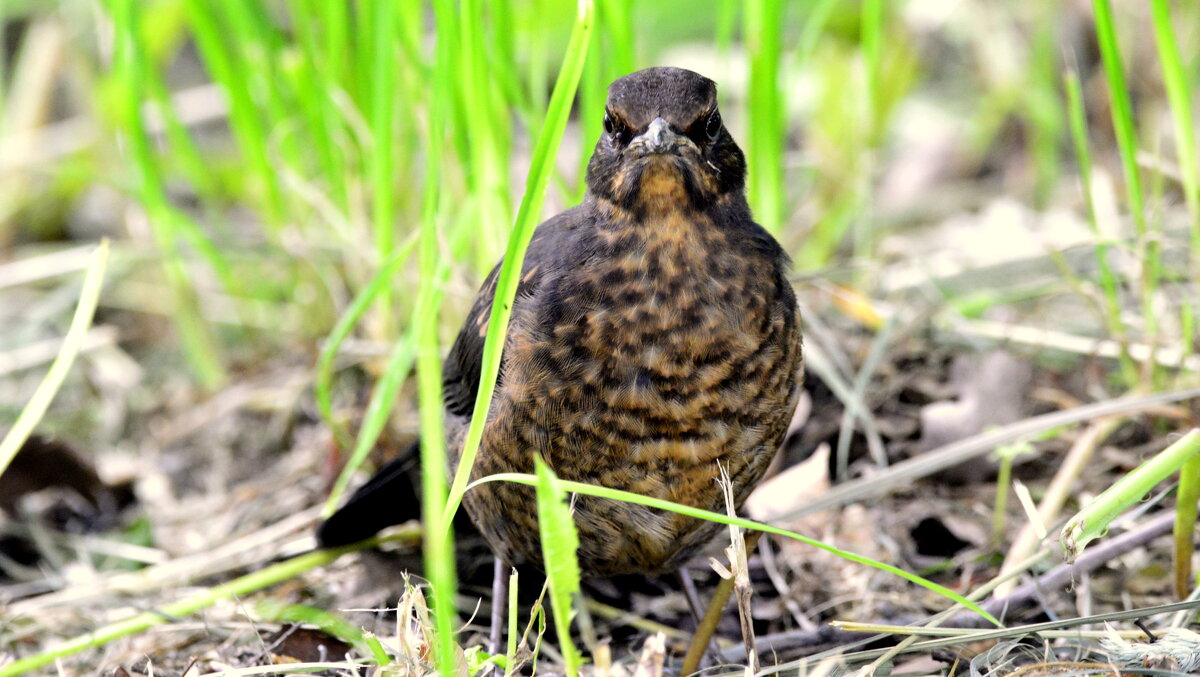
x=323, y=381
x=1123, y=125
x=315, y=86
x=1179, y=93
x=438, y=526
x=766, y=125
x=1111, y=310
x=560, y=541
x=1043, y=104
x=815, y=21
x=382, y=151
x=383, y=397
x=168, y=225
x=871, y=43
x=225, y=65
x=487, y=134
x=1185, y=525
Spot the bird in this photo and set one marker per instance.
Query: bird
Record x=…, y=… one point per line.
x=654, y=344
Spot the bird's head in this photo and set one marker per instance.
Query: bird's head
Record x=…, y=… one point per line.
x=664, y=146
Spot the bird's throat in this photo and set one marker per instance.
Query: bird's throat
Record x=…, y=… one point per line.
x=661, y=189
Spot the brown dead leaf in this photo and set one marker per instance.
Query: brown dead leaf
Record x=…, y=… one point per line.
x=306, y=645
x=787, y=490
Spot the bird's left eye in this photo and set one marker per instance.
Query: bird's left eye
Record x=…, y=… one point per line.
x=713, y=126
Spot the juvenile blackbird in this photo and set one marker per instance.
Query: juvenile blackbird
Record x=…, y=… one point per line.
x=654, y=337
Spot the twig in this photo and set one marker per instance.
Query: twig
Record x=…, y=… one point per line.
x=741, y=585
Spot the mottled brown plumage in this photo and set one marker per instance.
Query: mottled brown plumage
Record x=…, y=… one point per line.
x=654, y=338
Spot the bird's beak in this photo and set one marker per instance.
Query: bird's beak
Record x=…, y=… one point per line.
x=658, y=138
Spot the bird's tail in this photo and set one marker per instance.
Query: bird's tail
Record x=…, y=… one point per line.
x=389, y=497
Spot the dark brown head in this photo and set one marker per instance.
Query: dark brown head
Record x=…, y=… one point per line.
x=664, y=145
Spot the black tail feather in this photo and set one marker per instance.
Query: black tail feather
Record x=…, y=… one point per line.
x=390, y=497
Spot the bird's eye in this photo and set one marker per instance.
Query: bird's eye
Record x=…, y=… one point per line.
x=713, y=126
x=609, y=125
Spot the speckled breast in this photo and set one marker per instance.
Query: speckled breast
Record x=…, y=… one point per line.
x=672, y=352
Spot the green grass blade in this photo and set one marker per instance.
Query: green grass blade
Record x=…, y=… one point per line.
x=630, y=497
x=438, y=527
x=31, y=414
x=815, y=21
x=726, y=24
x=560, y=542
x=278, y=611
x=439, y=534
x=766, y=125
x=168, y=225
x=375, y=418
x=226, y=68
x=1111, y=311
x=258, y=46
x=540, y=170
x=510, y=651
x=382, y=150
x=618, y=31
x=1094, y=519
x=487, y=135
x=1043, y=109
x=314, y=90
x=1185, y=524
x=1123, y=125
x=871, y=41
x=1179, y=93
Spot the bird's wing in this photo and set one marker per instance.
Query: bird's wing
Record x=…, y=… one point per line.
x=464, y=363
x=551, y=244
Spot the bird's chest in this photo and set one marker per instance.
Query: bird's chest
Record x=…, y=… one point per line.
x=659, y=313
x=640, y=356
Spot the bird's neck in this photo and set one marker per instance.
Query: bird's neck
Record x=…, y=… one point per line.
x=661, y=193
x=665, y=212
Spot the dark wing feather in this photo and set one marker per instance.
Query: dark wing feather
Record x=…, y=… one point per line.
x=552, y=242
x=461, y=371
